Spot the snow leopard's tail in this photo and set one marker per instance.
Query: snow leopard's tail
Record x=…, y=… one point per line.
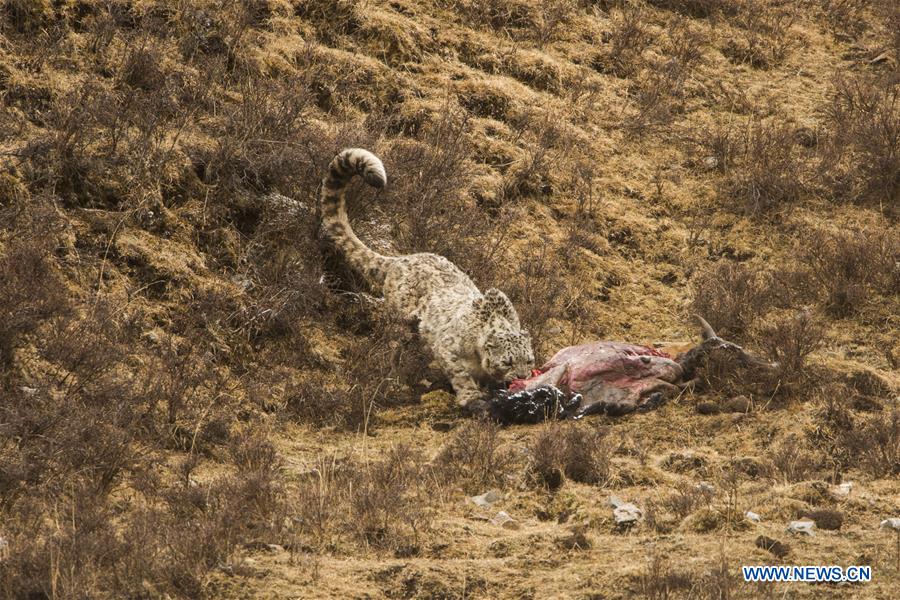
x=350, y=162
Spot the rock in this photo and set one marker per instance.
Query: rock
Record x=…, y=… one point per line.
x=774, y=546
x=486, y=499
x=753, y=516
x=504, y=520
x=625, y=513
x=706, y=488
x=843, y=490
x=708, y=408
x=710, y=162
x=825, y=519
x=738, y=404
x=802, y=528
x=892, y=523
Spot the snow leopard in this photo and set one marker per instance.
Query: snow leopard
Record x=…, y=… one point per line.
x=476, y=338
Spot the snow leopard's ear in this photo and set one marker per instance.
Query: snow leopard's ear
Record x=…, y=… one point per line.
x=495, y=304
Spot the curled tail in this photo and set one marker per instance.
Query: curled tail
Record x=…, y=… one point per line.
x=350, y=162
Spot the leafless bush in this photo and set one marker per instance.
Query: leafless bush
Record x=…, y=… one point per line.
x=660, y=581
x=769, y=169
x=860, y=159
x=793, y=460
x=874, y=444
x=849, y=266
x=498, y=14
x=789, y=339
x=847, y=17
x=573, y=451
x=475, y=459
x=698, y=8
x=629, y=38
x=763, y=35
x=732, y=296
x=389, y=500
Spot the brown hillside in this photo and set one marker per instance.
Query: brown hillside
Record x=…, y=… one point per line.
x=200, y=400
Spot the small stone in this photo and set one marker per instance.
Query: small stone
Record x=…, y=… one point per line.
x=706, y=488
x=802, y=528
x=28, y=391
x=738, y=404
x=625, y=513
x=710, y=162
x=892, y=523
x=774, y=546
x=708, y=408
x=753, y=516
x=486, y=499
x=504, y=520
x=843, y=490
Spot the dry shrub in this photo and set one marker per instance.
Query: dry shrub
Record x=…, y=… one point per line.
x=793, y=461
x=386, y=503
x=769, y=168
x=390, y=500
x=698, y=8
x=661, y=87
x=850, y=266
x=332, y=18
x=474, y=458
x=874, y=444
x=660, y=581
x=732, y=296
x=860, y=159
x=498, y=14
x=847, y=18
x=32, y=289
x=629, y=38
x=572, y=450
x=687, y=498
x=789, y=339
x=429, y=201
x=84, y=545
x=762, y=34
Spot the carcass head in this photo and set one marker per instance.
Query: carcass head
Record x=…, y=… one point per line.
x=720, y=359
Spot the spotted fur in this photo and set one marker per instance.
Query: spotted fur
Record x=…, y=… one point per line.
x=476, y=338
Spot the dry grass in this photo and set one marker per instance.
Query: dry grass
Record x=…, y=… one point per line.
x=189, y=378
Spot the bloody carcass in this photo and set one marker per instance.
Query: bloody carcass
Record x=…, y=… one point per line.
x=615, y=378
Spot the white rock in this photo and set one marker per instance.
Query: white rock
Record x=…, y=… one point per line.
x=802, y=528
x=625, y=512
x=706, y=487
x=843, y=490
x=892, y=523
x=486, y=499
x=504, y=520
x=753, y=516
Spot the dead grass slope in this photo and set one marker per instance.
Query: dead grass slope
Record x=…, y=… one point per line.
x=199, y=400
